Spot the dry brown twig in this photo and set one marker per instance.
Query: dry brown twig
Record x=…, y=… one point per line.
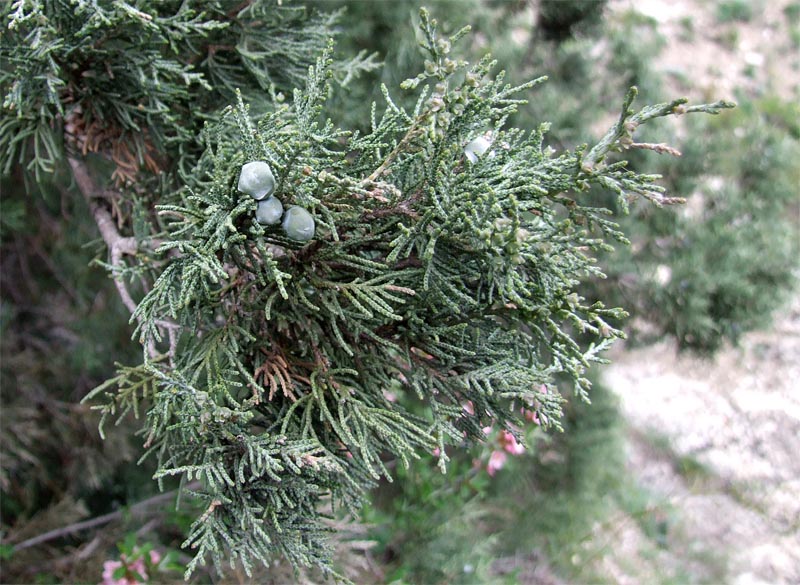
x=118, y=246
x=139, y=509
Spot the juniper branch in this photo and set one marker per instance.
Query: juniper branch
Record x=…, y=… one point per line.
x=438, y=276
x=621, y=133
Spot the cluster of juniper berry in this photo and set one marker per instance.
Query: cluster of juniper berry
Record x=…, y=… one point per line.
x=257, y=180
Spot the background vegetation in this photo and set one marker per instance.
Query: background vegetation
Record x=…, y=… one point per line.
x=704, y=273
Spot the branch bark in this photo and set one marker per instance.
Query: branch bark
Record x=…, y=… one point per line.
x=118, y=245
x=138, y=509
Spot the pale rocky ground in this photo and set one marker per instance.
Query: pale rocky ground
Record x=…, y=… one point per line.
x=719, y=59
x=736, y=417
x=715, y=442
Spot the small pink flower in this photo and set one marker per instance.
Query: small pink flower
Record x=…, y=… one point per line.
x=468, y=407
x=509, y=443
x=487, y=430
x=138, y=567
x=496, y=461
x=390, y=396
x=108, y=573
x=436, y=452
x=531, y=416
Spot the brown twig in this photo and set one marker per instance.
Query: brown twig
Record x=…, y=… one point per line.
x=135, y=510
x=403, y=208
x=304, y=254
x=412, y=133
x=234, y=12
x=411, y=261
x=118, y=245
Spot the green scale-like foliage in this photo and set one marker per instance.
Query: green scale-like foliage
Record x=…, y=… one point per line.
x=447, y=281
x=137, y=79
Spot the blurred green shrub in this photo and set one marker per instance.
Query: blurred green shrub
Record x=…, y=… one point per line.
x=561, y=19
x=551, y=501
x=734, y=11
x=720, y=265
x=428, y=525
x=60, y=319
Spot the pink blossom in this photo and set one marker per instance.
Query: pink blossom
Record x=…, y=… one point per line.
x=468, y=407
x=436, y=452
x=531, y=415
x=136, y=567
x=108, y=573
x=509, y=443
x=496, y=461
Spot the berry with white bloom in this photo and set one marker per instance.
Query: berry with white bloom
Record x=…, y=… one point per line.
x=298, y=224
x=257, y=180
x=269, y=211
x=475, y=149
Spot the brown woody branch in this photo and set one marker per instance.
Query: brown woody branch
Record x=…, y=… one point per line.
x=139, y=510
x=403, y=208
x=118, y=245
